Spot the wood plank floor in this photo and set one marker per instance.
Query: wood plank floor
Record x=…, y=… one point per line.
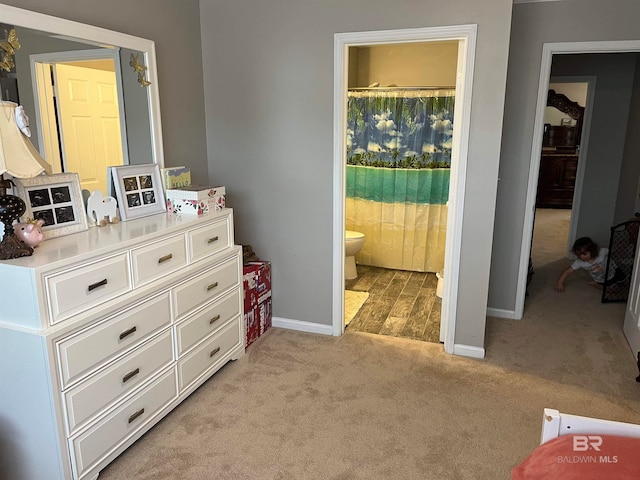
x=400, y=303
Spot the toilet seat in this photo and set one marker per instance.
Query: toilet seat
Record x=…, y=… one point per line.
x=351, y=235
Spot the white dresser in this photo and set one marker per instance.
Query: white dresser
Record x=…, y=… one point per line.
x=104, y=332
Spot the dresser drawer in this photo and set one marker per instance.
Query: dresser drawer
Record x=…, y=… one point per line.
x=209, y=239
x=77, y=290
x=205, y=287
x=161, y=258
x=85, y=351
x=101, y=390
x=207, y=321
x=209, y=354
x=97, y=442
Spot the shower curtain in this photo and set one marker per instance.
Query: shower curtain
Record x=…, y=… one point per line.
x=397, y=178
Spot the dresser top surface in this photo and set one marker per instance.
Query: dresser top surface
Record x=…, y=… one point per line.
x=102, y=240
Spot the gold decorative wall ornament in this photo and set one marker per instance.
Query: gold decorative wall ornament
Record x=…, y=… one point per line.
x=140, y=69
x=8, y=49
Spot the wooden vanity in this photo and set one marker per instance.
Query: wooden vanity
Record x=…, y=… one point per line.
x=559, y=157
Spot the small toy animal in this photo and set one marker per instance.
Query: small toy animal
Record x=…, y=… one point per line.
x=102, y=210
x=29, y=233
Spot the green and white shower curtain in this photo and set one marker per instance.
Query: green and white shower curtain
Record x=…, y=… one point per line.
x=397, y=179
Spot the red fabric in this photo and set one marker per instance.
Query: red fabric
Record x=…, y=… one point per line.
x=571, y=458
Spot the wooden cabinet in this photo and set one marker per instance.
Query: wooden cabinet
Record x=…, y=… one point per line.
x=104, y=332
x=556, y=181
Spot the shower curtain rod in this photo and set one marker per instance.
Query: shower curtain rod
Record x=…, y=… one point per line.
x=361, y=89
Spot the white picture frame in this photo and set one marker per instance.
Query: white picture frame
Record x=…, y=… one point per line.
x=138, y=190
x=56, y=199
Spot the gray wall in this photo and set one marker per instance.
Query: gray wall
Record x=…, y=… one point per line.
x=603, y=165
x=268, y=70
x=174, y=26
x=532, y=25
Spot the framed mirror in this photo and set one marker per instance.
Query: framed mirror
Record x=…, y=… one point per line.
x=57, y=58
x=561, y=134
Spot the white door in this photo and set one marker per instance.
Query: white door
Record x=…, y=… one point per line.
x=632, y=317
x=89, y=118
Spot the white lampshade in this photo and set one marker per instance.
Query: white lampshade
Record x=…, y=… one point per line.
x=18, y=156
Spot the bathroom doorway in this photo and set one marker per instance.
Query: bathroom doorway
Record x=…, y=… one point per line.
x=400, y=105
x=462, y=38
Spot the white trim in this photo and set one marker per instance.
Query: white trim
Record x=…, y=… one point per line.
x=548, y=50
x=340, y=67
x=500, y=313
x=466, y=35
x=301, y=326
x=99, y=36
x=468, y=351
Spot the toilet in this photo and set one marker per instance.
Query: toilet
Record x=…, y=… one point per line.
x=440, y=284
x=352, y=245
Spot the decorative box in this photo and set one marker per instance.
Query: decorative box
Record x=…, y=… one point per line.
x=175, y=177
x=195, y=199
x=256, y=280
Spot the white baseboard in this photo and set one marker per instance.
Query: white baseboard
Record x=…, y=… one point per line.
x=301, y=326
x=500, y=313
x=308, y=327
x=468, y=351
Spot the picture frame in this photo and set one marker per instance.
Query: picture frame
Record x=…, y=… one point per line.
x=56, y=199
x=138, y=189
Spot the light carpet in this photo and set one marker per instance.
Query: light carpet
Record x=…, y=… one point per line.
x=353, y=302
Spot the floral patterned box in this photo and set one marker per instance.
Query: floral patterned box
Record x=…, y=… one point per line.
x=195, y=199
x=256, y=281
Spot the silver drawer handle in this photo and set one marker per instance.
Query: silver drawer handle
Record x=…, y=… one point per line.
x=93, y=286
x=212, y=286
x=166, y=258
x=214, y=351
x=136, y=415
x=213, y=239
x=126, y=333
x=214, y=319
x=130, y=375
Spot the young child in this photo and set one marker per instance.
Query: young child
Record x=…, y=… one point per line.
x=594, y=261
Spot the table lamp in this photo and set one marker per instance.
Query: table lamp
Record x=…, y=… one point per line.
x=19, y=159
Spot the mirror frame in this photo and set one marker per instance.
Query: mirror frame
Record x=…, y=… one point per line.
x=100, y=36
x=571, y=108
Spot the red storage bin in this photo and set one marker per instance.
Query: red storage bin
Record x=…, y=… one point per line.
x=256, y=280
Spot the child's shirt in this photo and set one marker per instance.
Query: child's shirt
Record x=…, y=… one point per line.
x=596, y=268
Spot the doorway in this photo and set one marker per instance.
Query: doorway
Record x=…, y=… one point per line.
x=400, y=108
x=562, y=164
x=465, y=36
x=583, y=197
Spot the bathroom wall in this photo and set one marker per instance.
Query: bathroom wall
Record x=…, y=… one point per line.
x=407, y=64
